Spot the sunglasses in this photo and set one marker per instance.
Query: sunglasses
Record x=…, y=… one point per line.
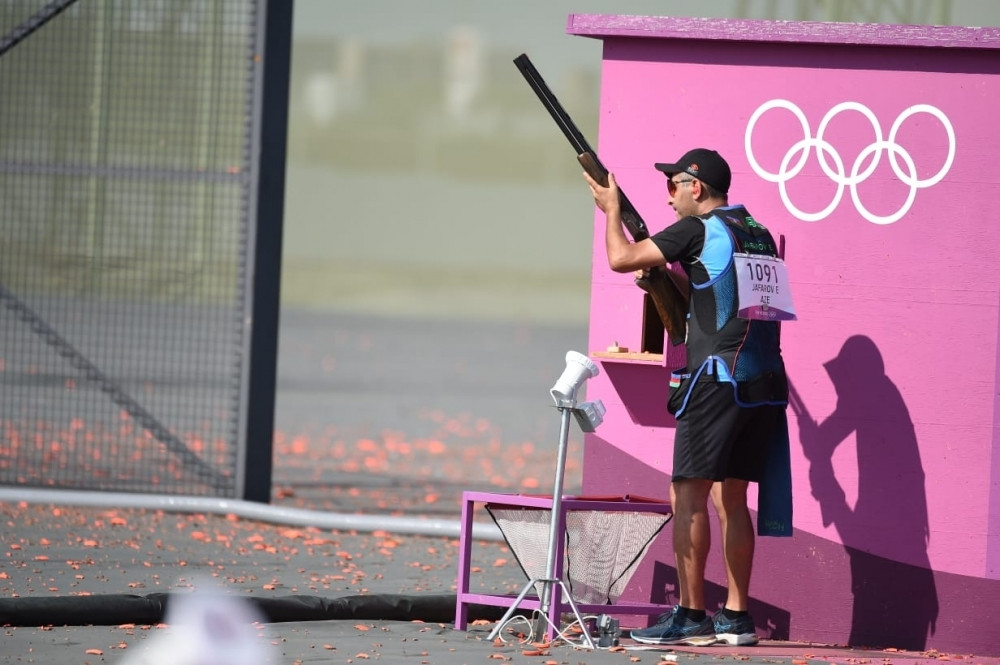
x=673, y=184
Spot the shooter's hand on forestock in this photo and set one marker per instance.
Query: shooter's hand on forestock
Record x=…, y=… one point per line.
x=605, y=195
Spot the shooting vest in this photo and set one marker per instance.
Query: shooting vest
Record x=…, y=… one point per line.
x=720, y=345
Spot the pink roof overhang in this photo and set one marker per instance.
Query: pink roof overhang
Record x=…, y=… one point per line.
x=800, y=32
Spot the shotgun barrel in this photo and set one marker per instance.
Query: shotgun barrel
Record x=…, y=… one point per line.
x=667, y=288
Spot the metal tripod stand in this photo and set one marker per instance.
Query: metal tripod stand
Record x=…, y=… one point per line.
x=542, y=619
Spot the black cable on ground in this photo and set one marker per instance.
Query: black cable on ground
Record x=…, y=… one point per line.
x=117, y=609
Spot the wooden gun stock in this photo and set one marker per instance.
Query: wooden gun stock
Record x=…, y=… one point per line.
x=669, y=293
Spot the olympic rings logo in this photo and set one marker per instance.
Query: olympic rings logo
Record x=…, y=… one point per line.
x=826, y=152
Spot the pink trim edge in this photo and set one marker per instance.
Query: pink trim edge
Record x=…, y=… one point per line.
x=756, y=30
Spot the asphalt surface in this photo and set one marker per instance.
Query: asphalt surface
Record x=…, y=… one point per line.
x=377, y=418
x=71, y=555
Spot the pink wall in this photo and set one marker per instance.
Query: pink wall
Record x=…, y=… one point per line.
x=896, y=275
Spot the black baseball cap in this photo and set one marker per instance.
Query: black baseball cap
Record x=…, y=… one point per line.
x=705, y=165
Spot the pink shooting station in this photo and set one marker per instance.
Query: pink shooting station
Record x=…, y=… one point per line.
x=872, y=150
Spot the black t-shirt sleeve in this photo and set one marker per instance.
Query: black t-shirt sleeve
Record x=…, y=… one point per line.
x=681, y=241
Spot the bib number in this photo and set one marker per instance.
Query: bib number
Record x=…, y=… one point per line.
x=764, y=291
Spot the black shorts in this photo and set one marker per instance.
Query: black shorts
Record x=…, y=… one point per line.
x=716, y=439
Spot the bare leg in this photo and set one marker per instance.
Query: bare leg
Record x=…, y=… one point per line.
x=730, y=499
x=692, y=538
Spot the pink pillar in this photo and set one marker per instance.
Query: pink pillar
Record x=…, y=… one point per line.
x=873, y=150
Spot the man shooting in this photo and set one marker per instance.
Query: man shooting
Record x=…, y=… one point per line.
x=734, y=393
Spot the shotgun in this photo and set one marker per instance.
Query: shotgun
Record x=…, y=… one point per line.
x=668, y=289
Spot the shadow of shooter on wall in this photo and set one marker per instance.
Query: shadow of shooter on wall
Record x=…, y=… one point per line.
x=886, y=533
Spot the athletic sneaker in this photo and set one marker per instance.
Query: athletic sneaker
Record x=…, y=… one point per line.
x=671, y=629
x=737, y=632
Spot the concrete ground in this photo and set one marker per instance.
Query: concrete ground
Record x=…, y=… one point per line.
x=67, y=554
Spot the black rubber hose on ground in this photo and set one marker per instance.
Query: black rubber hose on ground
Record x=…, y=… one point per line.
x=117, y=609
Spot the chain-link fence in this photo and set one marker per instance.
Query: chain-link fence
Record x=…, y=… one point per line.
x=126, y=231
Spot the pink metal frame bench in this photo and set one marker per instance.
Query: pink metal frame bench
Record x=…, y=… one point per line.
x=558, y=604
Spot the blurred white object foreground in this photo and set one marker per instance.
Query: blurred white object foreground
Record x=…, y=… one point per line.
x=207, y=627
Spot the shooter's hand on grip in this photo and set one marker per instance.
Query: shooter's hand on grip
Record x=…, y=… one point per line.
x=644, y=280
